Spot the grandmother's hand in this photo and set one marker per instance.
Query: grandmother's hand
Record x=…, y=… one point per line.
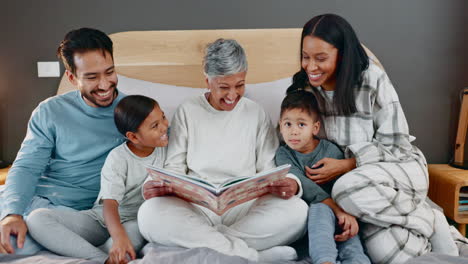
x=327, y=169
x=284, y=188
x=154, y=189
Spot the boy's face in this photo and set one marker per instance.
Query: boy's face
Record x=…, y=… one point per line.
x=298, y=129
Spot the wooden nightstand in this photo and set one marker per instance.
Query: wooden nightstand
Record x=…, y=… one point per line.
x=444, y=189
x=3, y=174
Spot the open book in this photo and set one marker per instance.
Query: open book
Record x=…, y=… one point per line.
x=220, y=198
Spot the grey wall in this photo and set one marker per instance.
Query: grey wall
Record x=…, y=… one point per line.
x=422, y=44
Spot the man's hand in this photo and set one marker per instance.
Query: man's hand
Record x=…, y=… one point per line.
x=154, y=189
x=284, y=188
x=12, y=225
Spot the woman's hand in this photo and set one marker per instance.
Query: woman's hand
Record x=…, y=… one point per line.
x=348, y=224
x=119, y=251
x=328, y=169
x=284, y=188
x=154, y=189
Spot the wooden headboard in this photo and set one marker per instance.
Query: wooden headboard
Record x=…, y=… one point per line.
x=175, y=57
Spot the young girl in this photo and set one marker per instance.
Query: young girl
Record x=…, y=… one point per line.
x=78, y=234
x=385, y=179
x=299, y=125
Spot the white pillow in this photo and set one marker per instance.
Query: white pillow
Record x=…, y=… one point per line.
x=269, y=95
x=169, y=97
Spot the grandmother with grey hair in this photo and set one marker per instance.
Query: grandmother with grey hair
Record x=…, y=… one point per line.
x=216, y=136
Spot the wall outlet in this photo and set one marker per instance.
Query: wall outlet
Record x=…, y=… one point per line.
x=48, y=69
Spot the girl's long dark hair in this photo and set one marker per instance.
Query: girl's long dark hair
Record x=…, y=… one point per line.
x=352, y=59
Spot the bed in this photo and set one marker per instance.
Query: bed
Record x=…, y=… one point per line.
x=167, y=65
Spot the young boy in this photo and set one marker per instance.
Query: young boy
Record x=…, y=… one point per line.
x=299, y=125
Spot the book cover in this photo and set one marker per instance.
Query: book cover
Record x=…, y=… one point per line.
x=220, y=198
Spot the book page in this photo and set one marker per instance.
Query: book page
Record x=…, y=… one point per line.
x=249, y=189
x=238, y=180
x=170, y=174
x=187, y=190
x=219, y=200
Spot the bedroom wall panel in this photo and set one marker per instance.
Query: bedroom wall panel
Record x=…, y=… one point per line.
x=422, y=45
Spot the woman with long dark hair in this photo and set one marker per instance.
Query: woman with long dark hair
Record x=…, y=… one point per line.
x=385, y=179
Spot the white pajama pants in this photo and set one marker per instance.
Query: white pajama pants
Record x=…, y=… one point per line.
x=242, y=231
x=390, y=198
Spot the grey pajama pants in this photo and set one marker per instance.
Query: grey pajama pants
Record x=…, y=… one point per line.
x=390, y=198
x=75, y=234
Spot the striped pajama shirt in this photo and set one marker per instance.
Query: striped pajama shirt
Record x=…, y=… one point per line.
x=387, y=190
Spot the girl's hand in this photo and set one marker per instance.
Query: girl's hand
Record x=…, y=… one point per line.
x=348, y=224
x=327, y=169
x=154, y=189
x=121, y=248
x=285, y=188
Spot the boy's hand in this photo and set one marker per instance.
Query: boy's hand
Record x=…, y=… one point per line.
x=327, y=169
x=12, y=225
x=348, y=224
x=154, y=189
x=119, y=251
x=284, y=188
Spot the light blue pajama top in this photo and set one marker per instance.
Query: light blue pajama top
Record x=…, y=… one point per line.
x=62, y=155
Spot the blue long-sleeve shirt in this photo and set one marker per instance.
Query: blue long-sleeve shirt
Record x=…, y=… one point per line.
x=61, y=157
x=312, y=192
